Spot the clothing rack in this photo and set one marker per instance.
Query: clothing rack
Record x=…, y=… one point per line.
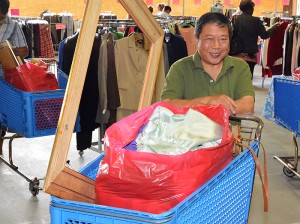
x=275, y=13
x=184, y=18
x=292, y=19
x=116, y=22
x=23, y=17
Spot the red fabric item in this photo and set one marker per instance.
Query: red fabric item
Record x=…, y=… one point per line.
x=46, y=45
x=31, y=78
x=275, y=51
x=266, y=72
x=152, y=182
x=197, y=2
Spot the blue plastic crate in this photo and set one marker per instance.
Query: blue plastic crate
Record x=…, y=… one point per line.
x=287, y=103
x=30, y=114
x=224, y=199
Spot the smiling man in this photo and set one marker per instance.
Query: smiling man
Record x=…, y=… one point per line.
x=210, y=76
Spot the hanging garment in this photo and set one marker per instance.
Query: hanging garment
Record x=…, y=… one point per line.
x=90, y=94
x=131, y=58
x=294, y=65
x=188, y=34
x=109, y=98
x=53, y=19
x=177, y=48
x=277, y=39
x=68, y=20
x=288, y=52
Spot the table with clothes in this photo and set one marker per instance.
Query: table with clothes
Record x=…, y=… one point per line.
x=282, y=105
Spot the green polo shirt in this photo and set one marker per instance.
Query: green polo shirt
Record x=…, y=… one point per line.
x=187, y=79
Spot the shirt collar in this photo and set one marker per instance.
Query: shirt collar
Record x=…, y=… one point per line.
x=7, y=20
x=131, y=42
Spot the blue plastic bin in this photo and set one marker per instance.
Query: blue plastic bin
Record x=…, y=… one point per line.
x=30, y=114
x=285, y=113
x=224, y=199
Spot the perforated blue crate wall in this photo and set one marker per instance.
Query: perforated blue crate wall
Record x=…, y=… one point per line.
x=224, y=199
x=47, y=112
x=11, y=107
x=285, y=112
x=30, y=114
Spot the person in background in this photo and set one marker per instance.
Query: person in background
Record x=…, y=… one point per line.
x=150, y=7
x=211, y=76
x=248, y=28
x=11, y=31
x=166, y=11
x=160, y=8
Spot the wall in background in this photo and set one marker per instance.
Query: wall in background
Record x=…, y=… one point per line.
x=33, y=8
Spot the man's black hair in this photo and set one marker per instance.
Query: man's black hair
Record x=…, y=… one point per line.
x=246, y=6
x=167, y=8
x=212, y=17
x=4, y=6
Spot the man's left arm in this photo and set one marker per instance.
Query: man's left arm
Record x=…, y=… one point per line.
x=245, y=105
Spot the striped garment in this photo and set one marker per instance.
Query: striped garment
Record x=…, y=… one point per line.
x=11, y=31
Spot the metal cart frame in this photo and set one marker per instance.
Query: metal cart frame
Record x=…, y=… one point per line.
x=290, y=163
x=21, y=131
x=33, y=183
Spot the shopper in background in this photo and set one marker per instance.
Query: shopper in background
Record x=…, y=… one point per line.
x=160, y=8
x=248, y=28
x=11, y=31
x=150, y=7
x=210, y=76
x=167, y=9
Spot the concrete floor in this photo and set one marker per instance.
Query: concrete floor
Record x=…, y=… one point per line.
x=18, y=206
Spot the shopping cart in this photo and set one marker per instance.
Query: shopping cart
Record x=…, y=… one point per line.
x=286, y=114
x=29, y=115
x=223, y=199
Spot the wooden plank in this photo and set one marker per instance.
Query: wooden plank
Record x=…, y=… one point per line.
x=151, y=73
x=142, y=16
x=73, y=92
x=8, y=59
x=77, y=187
x=61, y=181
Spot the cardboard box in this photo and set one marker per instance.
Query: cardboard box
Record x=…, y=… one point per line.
x=8, y=58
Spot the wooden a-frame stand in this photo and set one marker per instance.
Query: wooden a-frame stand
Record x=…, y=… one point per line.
x=62, y=181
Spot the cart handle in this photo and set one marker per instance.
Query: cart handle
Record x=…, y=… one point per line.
x=241, y=117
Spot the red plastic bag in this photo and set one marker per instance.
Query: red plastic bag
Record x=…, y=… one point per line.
x=31, y=78
x=153, y=182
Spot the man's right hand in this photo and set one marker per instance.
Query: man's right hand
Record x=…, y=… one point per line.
x=221, y=99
